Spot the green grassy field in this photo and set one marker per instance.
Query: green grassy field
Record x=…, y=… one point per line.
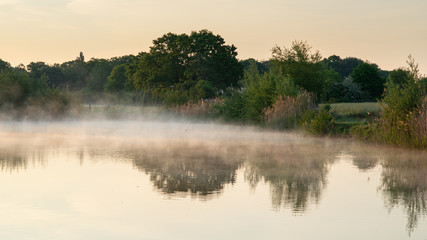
x=355, y=110
x=348, y=115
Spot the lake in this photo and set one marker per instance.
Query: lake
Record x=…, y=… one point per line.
x=180, y=180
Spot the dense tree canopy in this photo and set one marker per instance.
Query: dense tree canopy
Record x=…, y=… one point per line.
x=4, y=65
x=181, y=61
x=398, y=76
x=368, y=77
x=342, y=66
x=303, y=66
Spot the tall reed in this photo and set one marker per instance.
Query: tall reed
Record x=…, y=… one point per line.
x=285, y=110
x=200, y=109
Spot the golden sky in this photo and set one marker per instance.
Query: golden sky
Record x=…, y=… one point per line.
x=381, y=31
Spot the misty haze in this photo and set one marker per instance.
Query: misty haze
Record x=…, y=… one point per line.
x=203, y=119
x=110, y=179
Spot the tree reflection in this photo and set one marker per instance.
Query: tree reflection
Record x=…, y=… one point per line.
x=365, y=162
x=14, y=158
x=296, y=173
x=404, y=183
x=197, y=170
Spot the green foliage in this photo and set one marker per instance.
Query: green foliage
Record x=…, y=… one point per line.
x=344, y=67
x=286, y=110
x=24, y=96
x=363, y=109
x=98, y=74
x=233, y=107
x=398, y=77
x=118, y=80
x=258, y=93
x=177, y=61
x=262, y=67
x=304, y=67
x=262, y=91
x=345, y=91
x=318, y=123
x=4, y=65
x=189, y=91
x=368, y=77
x=15, y=88
x=404, y=118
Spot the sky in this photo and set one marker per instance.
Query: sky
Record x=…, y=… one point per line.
x=384, y=32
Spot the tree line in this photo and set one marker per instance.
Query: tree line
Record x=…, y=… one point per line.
x=180, y=68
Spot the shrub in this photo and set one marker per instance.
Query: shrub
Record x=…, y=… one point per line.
x=258, y=93
x=24, y=97
x=286, y=110
x=403, y=120
x=201, y=109
x=318, y=123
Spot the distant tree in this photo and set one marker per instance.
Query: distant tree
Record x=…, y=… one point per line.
x=423, y=84
x=98, y=74
x=343, y=66
x=367, y=76
x=81, y=57
x=118, y=80
x=345, y=91
x=399, y=76
x=263, y=66
x=4, y=65
x=15, y=88
x=75, y=73
x=54, y=74
x=330, y=77
x=302, y=65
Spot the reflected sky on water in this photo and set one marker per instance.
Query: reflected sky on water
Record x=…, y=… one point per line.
x=176, y=180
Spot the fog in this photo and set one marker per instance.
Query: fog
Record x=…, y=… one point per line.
x=135, y=132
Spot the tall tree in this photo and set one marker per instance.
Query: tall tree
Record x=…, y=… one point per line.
x=367, y=76
x=302, y=65
x=343, y=66
x=178, y=62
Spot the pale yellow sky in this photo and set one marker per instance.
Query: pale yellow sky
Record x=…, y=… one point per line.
x=381, y=31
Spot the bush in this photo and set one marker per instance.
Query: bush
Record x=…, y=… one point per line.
x=346, y=91
x=21, y=96
x=318, y=123
x=201, y=109
x=404, y=117
x=286, y=110
x=258, y=93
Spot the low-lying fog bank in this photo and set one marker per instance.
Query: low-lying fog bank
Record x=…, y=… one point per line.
x=91, y=132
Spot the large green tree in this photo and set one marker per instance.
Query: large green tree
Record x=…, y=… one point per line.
x=399, y=76
x=182, y=62
x=367, y=75
x=304, y=66
x=54, y=74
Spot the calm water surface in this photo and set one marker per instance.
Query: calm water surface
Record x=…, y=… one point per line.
x=177, y=180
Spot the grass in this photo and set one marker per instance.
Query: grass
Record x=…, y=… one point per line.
x=355, y=110
x=348, y=115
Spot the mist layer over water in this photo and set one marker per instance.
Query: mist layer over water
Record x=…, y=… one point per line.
x=173, y=180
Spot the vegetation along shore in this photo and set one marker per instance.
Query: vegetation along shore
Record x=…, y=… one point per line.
x=199, y=75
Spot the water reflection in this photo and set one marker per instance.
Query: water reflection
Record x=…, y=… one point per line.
x=199, y=170
x=404, y=183
x=16, y=158
x=365, y=162
x=297, y=174
x=294, y=169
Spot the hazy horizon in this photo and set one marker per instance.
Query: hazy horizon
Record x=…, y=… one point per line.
x=382, y=32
